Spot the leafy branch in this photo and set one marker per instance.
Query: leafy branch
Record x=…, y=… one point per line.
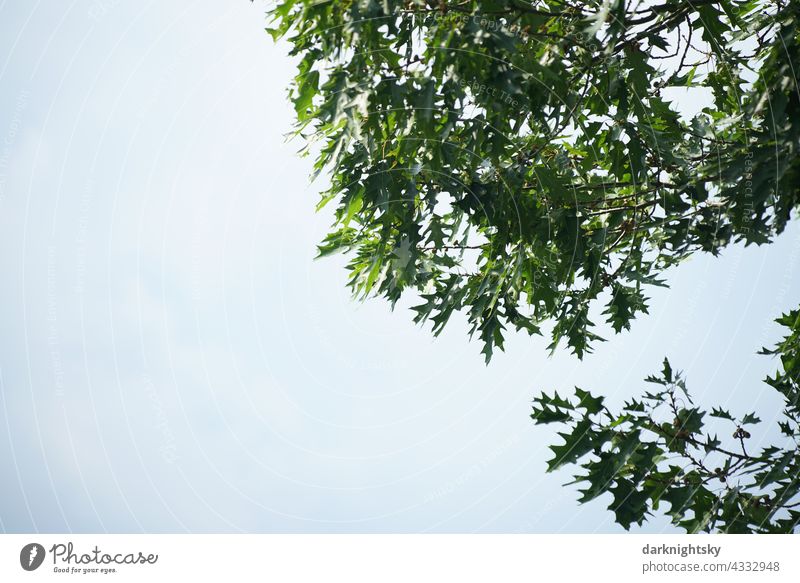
x=658, y=450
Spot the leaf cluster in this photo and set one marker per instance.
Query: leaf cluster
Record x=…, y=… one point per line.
x=658, y=453
x=520, y=162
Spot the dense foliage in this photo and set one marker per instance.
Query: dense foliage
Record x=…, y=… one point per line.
x=546, y=161
x=523, y=161
x=659, y=451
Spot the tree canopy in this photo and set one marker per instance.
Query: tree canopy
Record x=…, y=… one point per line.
x=545, y=161
x=524, y=161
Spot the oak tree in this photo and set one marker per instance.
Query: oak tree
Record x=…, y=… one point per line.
x=538, y=165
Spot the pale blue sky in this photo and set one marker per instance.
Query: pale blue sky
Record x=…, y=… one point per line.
x=172, y=359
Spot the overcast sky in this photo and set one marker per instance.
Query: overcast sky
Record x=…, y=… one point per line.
x=173, y=359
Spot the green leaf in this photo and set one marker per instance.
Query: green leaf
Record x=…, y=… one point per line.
x=629, y=505
x=576, y=444
x=592, y=404
x=721, y=413
x=691, y=420
x=307, y=88
x=750, y=419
